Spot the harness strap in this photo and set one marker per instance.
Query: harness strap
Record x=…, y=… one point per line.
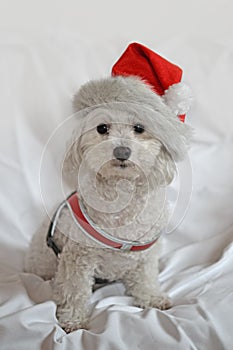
x=89, y=229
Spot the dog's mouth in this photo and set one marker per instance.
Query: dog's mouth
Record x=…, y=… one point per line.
x=122, y=164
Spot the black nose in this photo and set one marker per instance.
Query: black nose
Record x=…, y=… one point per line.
x=122, y=153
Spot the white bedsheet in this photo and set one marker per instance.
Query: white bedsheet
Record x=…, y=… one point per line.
x=39, y=75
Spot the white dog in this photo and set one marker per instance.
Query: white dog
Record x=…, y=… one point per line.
x=119, y=161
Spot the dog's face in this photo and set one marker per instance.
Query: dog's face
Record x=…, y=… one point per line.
x=125, y=131
x=116, y=144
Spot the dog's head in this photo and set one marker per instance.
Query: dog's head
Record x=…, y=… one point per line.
x=125, y=131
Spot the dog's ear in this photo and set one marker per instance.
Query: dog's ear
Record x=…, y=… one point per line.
x=71, y=162
x=173, y=134
x=164, y=168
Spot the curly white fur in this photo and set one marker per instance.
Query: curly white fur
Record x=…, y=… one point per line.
x=128, y=202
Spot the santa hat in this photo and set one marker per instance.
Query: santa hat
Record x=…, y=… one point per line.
x=163, y=76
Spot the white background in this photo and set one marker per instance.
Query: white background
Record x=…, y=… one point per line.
x=137, y=20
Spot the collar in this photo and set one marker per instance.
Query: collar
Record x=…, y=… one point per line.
x=91, y=230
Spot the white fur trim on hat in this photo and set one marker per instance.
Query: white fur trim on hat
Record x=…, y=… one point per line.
x=179, y=98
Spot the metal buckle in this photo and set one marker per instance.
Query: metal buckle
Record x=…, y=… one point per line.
x=126, y=246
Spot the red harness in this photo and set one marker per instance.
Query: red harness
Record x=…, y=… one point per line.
x=90, y=230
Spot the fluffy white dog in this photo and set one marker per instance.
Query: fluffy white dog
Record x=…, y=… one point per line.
x=120, y=159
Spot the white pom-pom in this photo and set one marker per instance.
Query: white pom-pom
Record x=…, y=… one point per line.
x=179, y=98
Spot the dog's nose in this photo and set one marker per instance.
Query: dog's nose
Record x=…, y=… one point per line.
x=122, y=153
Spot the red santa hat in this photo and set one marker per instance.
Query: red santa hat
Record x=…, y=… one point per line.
x=163, y=76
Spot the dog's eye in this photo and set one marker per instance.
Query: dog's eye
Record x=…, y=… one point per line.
x=138, y=128
x=102, y=128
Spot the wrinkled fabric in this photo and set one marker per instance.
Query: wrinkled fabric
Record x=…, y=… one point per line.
x=39, y=76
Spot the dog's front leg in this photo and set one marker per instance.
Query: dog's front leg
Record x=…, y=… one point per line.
x=141, y=282
x=72, y=287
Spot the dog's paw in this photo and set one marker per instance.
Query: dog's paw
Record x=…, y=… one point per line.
x=161, y=301
x=73, y=326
